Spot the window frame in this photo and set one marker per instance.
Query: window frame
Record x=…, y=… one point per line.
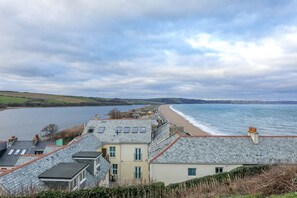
x=128, y=130
x=219, y=169
x=135, y=129
x=192, y=174
x=137, y=154
x=112, y=153
x=141, y=130
x=137, y=172
x=114, y=170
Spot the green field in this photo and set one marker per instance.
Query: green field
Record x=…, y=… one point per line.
x=25, y=99
x=11, y=100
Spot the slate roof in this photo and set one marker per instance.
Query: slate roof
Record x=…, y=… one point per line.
x=110, y=136
x=87, y=154
x=25, y=176
x=229, y=150
x=63, y=171
x=11, y=160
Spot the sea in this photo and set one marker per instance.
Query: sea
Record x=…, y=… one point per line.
x=24, y=123
x=235, y=119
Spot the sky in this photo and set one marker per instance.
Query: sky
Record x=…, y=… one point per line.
x=207, y=49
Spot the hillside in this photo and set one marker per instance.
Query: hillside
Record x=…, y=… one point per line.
x=26, y=99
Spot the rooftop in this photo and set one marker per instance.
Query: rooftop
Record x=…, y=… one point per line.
x=19, y=148
x=227, y=150
x=87, y=154
x=63, y=171
x=121, y=130
x=26, y=175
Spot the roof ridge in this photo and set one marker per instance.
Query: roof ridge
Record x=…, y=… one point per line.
x=168, y=147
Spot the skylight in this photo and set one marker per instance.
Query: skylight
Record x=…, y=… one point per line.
x=142, y=129
x=126, y=129
x=17, y=151
x=135, y=130
x=23, y=151
x=10, y=152
x=118, y=129
x=101, y=129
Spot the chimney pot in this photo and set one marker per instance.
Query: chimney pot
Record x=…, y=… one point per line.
x=252, y=132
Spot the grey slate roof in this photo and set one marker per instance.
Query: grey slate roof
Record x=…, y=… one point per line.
x=11, y=160
x=26, y=176
x=63, y=171
x=110, y=136
x=231, y=150
x=157, y=147
x=87, y=154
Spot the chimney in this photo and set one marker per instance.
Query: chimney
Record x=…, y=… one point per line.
x=35, y=140
x=252, y=132
x=11, y=141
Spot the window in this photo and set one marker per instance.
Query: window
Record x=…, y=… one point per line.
x=97, y=161
x=118, y=129
x=101, y=129
x=126, y=129
x=112, y=151
x=73, y=184
x=11, y=152
x=137, y=174
x=135, y=130
x=114, y=169
x=82, y=176
x=17, y=152
x=219, y=169
x=191, y=171
x=91, y=130
x=23, y=151
x=137, y=154
x=142, y=129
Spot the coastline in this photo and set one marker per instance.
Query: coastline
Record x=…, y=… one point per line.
x=176, y=119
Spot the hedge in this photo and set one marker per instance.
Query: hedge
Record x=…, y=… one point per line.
x=147, y=190
x=240, y=172
x=157, y=189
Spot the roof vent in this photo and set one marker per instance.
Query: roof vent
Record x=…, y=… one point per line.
x=252, y=132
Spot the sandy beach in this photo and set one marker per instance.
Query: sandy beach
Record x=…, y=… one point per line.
x=175, y=119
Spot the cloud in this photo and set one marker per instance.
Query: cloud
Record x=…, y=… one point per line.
x=145, y=49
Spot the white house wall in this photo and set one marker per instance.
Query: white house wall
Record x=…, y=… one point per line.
x=174, y=173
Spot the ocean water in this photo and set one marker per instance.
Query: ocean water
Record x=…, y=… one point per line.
x=26, y=122
x=235, y=119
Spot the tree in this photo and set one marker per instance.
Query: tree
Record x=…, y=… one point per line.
x=115, y=114
x=50, y=130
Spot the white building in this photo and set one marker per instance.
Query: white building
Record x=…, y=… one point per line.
x=179, y=158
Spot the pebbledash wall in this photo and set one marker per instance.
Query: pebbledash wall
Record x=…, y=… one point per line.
x=25, y=178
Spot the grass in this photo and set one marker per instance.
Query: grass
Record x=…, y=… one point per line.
x=11, y=100
x=279, y=181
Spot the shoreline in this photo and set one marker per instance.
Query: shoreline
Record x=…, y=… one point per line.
x=175, y=119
